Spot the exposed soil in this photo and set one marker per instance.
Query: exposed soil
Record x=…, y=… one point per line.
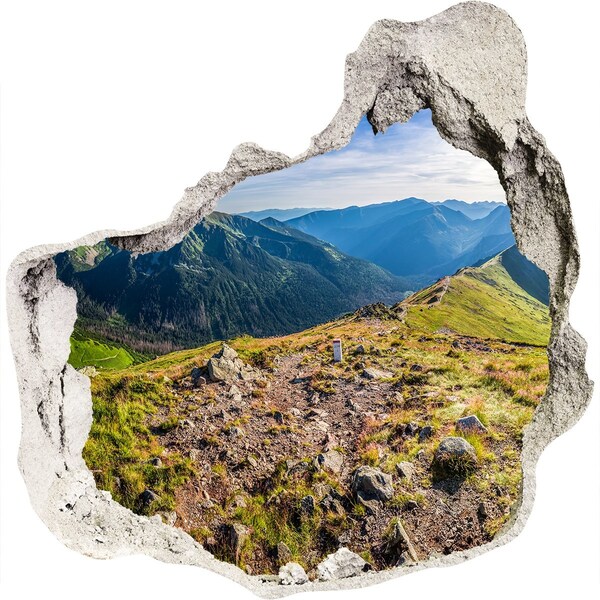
x=261, y=438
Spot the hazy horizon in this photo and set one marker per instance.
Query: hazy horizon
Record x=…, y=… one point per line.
x=408, y=160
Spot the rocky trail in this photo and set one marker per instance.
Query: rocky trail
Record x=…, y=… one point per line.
x=295, y=442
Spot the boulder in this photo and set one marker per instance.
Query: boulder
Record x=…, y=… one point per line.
x=372, y=486
x=360, y=349
x=341, y=565
x=454, y=457
x=470, y=424
x=292, y=574
x=226, y=365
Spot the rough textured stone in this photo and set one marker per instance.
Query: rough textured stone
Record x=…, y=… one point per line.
x=341, y=565
x=237, y=536
x=399, y=541
x=371, y=486
x=470, y=424
x=284, y=554
x=371, y=373
x=225, y=365
x=292, y=574
x=468, y=64
x=454, y=457
x=331, y=460
x=405, y=470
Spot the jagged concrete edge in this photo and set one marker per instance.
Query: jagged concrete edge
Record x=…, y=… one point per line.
x=468, y=64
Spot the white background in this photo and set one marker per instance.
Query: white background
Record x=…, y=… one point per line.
x=109, y=109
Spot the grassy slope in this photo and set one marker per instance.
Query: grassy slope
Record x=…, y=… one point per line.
x=483, y=302
x=90, y=350
x=502, y=385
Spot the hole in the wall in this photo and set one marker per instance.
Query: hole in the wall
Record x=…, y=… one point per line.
x=275, y=451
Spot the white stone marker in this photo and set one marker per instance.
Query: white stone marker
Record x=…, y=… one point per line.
x=337, y=350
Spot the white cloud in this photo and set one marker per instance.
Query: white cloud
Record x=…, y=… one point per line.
x=408, y=160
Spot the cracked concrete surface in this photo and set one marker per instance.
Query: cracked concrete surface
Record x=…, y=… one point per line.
x=468, y=64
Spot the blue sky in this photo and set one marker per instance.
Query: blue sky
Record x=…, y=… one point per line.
x=409, y=159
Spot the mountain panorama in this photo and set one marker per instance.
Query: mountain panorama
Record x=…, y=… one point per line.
x=232, y=275
x=220, y=404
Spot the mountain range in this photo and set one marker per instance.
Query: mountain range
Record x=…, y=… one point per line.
x=412, y=238
x=281, y=214
x=230, y=275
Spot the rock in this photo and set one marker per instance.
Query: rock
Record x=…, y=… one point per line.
x=341, y=565
x=278, y=416
x=227, y=366
x=294, y=466
x=292, y=574
x=482, y=512
x=296, y=412
x=156, y=462
x=352, y=405
x=330, y=442
x=370, y=373
x=415, y=368
x=147, y=497
x=89, y=371
x=237, y=536
x=330, y=461
x=411, y=505
x=223, y=414
x=314, y=400
x=252, y=461
x=307, y=506
x=168, y=517
x=321, y=426
x=235, y=432
x=316, y=413
x=197, y=377
x=470, y=424
x=411, y=429
x=452, y=398
x=238, y=501
x=371, y=486
x=284, y=554
x=405, y=470
x=333, y=502
x=321, y=490
x=454, y=457
x=360, y=349
x=399, y=542
x=425, y=433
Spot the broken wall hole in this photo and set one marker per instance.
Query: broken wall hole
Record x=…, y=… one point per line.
x=446, y=325
x=499, y=132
